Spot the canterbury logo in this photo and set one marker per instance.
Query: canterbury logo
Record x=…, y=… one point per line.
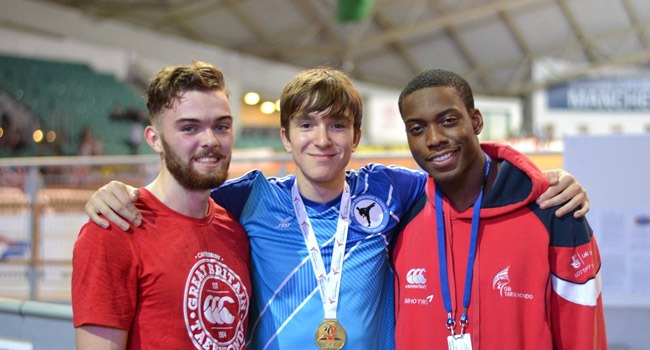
x=416, y=276
x=215, y=311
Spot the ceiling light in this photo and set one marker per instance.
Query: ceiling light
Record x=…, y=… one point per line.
x=37, y=136
x=50, y=136
x=251, y=98
x=267, y=107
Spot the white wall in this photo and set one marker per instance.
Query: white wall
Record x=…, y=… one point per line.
x=383, y=124
x=613, y=169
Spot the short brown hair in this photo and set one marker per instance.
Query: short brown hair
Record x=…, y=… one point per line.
x=320, y=89
x=172, y=81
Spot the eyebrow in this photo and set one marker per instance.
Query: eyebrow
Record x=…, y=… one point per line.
x=191, y=119
x=304, y=116
x=446, y=111
x=437, y=115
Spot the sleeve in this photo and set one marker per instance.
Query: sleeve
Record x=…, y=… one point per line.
x=233, y=194
x=409, y=184
x=576, y=309
x=104, y=278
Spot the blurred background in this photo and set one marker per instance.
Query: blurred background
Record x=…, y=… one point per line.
x=565, y=81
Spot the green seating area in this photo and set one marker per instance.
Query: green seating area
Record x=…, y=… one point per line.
x=66, y=97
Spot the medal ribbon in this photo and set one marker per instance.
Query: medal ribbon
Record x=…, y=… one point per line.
x=442, y=253
x=328, y=284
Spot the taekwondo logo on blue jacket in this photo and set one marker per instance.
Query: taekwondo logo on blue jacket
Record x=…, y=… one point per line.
x=370, y=213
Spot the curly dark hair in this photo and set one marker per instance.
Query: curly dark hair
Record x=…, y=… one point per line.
x=439, y=78
x=172, y=81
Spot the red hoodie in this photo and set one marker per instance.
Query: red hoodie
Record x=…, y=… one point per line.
x=536, y=282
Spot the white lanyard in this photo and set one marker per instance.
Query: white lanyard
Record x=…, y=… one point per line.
x=328, y=284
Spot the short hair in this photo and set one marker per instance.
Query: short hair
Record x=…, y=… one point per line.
x=320, y=89
x=171, y=82
x=439, y=78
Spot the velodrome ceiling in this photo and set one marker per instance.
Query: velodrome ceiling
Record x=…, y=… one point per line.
x=491, y=42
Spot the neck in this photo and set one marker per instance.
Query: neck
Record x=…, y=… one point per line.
x=194, y=204
x=320, y=192
x=463, y=193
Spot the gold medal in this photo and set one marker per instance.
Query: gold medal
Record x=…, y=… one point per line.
x=330, y=335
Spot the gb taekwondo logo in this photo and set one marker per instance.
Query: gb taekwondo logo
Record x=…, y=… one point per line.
x=415, y=279
x=501, y=282
x=370, y=214
x=215, y=303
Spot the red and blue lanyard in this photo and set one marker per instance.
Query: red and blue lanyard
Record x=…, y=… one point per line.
x=442, y=253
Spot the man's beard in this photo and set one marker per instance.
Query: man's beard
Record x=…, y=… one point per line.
x=191, y=179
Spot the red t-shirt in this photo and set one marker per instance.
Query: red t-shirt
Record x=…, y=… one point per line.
x=175, y=282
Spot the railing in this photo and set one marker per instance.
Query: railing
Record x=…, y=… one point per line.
x=28, y=325
x=28, y=308
x=54, y=187
x=42, y=209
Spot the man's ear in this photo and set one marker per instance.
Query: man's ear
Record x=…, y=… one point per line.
x=152, y=136
x=477, y=121
x=357, y=139
x=285, y=139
